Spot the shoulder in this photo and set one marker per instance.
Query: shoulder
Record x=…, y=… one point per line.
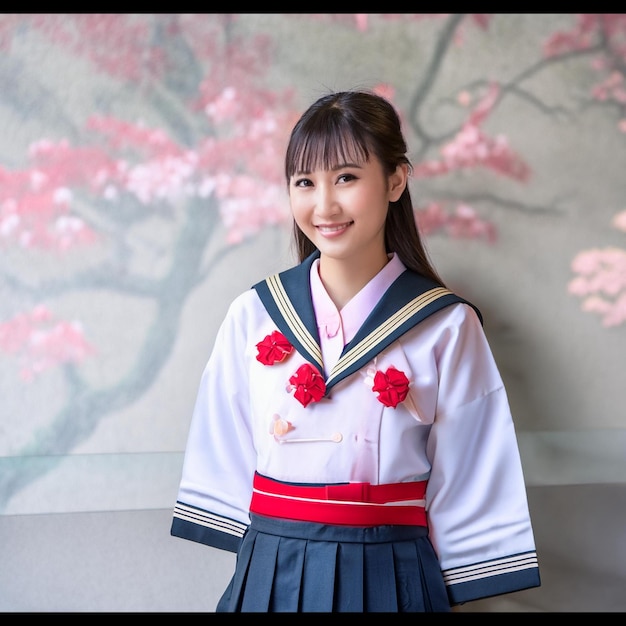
x=254, y=300
x=455, y=324
x=430, y=294
x=245, y=304
x=459, y=317
x=462, y=313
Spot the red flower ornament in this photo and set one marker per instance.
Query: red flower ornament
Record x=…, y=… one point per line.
x=307, y=384
x=273, y=349
x=391, y=386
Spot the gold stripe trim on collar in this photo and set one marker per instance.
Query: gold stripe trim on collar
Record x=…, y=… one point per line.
x=293, y=319
x=390, y=325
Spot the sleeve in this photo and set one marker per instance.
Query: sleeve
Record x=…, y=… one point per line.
x=478, y=513
x=213, y=500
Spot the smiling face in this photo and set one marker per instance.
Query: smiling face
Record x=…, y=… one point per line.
x=342, y=210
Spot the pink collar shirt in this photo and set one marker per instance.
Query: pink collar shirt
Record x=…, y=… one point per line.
x=337, y=328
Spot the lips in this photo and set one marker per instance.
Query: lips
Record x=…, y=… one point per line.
x=332, y=228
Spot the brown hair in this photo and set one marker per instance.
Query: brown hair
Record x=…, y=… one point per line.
x=349, y=126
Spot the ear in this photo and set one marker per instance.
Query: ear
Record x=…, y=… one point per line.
x=398, y=181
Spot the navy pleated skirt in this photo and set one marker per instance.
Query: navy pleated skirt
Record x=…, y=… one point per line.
x=293, y=566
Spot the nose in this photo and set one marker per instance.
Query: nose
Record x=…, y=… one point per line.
x=326, y=202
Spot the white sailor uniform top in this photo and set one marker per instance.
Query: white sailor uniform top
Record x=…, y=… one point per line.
x=447, y=423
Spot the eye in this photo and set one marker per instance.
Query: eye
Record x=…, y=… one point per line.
x=302, y=182
x=346, y=178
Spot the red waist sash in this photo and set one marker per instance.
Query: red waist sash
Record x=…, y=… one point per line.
x=352, y=504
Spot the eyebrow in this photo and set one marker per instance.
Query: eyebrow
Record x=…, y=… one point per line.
x=335, y=168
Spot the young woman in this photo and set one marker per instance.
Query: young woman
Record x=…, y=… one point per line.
x=352, y=440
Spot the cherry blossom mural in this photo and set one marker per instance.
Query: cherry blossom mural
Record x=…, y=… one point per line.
x=150, y=160
x=601, y=279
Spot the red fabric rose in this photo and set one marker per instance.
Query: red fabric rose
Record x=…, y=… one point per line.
x=273, y=349
x=308, y=383
x=391, y=386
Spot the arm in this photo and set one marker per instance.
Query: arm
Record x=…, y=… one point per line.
x=477, y=506
x=216, y=484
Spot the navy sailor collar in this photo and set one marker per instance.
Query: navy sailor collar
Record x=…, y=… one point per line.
x=410, y=299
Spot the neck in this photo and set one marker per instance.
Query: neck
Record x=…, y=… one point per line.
x=343, y=280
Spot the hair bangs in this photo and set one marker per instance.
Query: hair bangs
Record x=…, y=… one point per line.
x=326, y=145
